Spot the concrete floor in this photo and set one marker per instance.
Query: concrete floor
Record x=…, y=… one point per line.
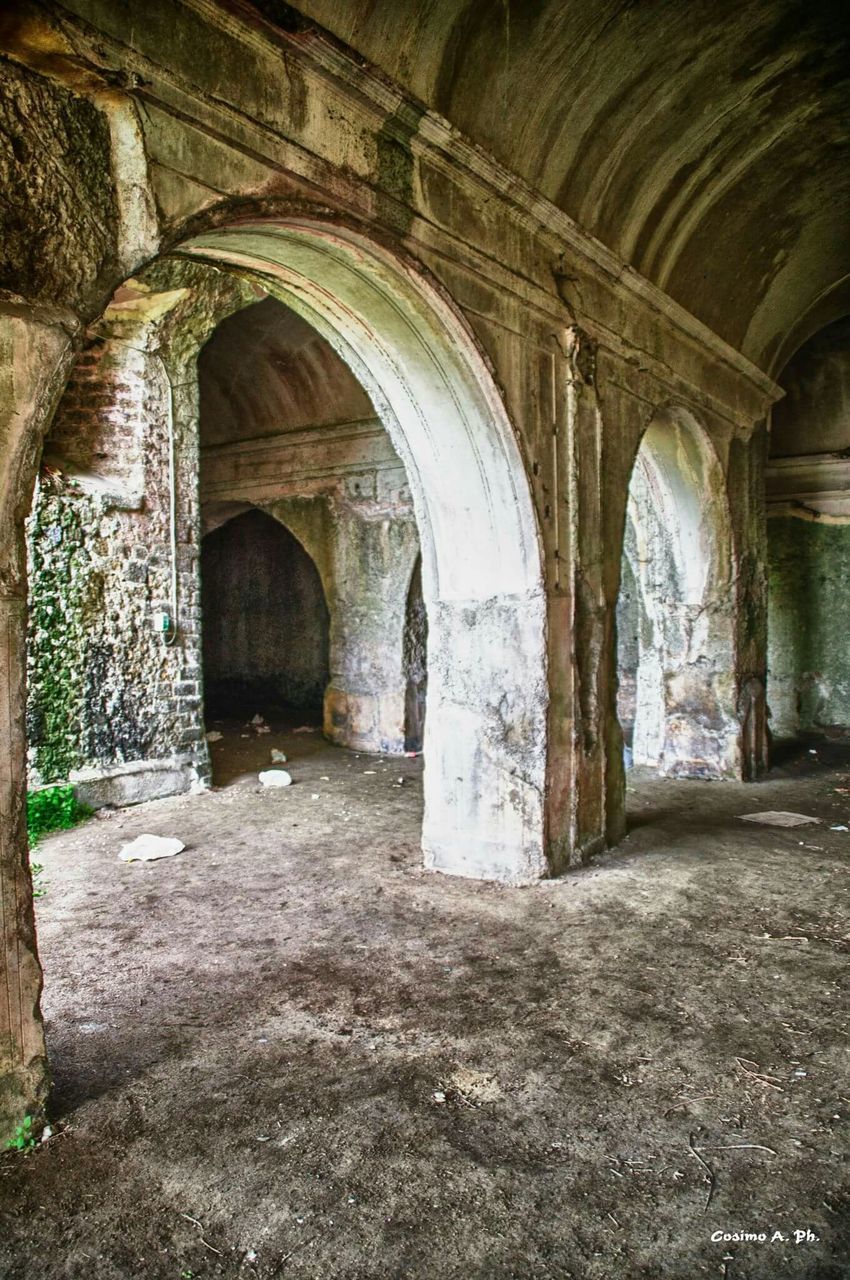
x=290, y=1052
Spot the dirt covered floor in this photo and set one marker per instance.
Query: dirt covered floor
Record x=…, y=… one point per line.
x=290, y=1052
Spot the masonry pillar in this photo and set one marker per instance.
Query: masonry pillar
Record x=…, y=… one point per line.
x=746, y=469
x=596, y=508
x=374, y=552
x=34, y=358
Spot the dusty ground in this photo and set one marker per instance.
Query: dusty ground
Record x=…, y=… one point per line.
x=289, y=1052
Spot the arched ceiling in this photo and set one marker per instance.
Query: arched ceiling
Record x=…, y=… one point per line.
x=814, y=417
x=705, y=141
x=265, y=370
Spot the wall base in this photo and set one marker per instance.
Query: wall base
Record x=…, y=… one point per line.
x=136, y=782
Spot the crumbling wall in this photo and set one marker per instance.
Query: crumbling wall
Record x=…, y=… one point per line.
x=678, y=688
x=809, y=659
x=809, y=540
x=265, y=621
x=629, y=619
x=415, y=663
x=113, y=545
x=59, y=215
x=105, y=689
x=286, y=427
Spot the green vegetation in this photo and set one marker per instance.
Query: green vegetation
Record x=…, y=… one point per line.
x=23, y=1138
x=52, y=809
x=63, y=599
x=39, y=888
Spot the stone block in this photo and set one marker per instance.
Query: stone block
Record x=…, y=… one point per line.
x=132, y=783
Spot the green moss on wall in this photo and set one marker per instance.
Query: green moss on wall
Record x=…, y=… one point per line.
x=808, y=626
x=65, y=610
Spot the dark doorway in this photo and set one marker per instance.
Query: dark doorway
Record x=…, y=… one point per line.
x=265, y=619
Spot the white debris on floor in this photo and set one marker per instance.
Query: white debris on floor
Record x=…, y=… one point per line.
x=275, y=778
x=779, y=818
x=148, y=848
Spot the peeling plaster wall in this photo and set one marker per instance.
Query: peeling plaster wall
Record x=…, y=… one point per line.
x=333, y=139
x=631, y=619
x=230, y=118
x=678, y=679
x=231, y=133
x=809, y=657
x=373, y=547
x=809, y=540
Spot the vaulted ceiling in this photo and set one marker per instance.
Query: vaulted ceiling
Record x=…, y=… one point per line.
x=705, y=141
x=265, y=370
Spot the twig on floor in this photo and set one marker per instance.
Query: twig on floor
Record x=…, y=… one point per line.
x=744, y=1146
x=204, y=1242
x=708, y=1169
x=745, y=1065
x=302, y=1245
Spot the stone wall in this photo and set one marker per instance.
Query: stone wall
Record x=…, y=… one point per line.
x=808, y=490
x=116, y=706
x=809, y=658
x=105, y=687
x=114, y=702
x=630, y=618
x=58, y=244
x=415, y=663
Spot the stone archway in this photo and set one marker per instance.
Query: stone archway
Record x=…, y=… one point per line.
x=676, y=611
x=485, y=735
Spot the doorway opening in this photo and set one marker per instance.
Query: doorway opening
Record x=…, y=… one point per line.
x=675, y=611
x=265, y=637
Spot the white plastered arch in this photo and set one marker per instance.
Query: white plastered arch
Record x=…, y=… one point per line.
x=685, y=721
x=485, y=741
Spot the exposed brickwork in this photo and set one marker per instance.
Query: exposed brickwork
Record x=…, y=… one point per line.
x=105, y=687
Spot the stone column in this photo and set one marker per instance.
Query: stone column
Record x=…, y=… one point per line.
x=35, y=350
x=597, y=450
x=374, y=553
x=746, y=467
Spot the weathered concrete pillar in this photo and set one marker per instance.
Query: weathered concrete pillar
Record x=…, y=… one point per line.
x=746, y=468
x=374, y=556
x=34, y=358
x=598, y=813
